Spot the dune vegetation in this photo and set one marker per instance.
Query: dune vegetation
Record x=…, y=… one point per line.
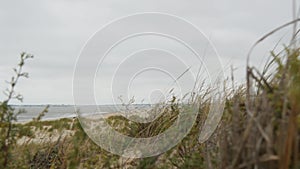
x=260, y=127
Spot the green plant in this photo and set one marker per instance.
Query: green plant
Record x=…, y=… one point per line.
x=8, y=130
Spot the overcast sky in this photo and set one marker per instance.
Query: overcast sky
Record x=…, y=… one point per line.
x=55, y=31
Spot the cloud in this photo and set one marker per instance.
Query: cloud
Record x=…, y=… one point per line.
x=56, y=30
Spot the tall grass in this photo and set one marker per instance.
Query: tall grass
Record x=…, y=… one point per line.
x=259, y=128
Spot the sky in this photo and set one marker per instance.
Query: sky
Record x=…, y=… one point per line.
x=56, y=31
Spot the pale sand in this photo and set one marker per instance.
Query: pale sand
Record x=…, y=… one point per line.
x=45, y=136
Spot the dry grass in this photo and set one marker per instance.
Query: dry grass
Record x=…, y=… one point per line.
x=259, y=128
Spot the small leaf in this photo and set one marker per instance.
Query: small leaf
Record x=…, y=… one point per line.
x=25, y=74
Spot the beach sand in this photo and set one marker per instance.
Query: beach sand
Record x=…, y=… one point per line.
x=45, y=134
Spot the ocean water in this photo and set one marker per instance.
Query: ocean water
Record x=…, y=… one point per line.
x=69, y=111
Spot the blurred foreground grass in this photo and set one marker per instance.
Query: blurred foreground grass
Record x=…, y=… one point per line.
x=259, y=129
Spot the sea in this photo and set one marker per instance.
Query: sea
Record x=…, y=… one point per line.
x=68, y=111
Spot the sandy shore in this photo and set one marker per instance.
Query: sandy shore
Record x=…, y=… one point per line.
x=46, y=134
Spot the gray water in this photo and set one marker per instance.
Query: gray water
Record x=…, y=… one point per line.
x=65, y=111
